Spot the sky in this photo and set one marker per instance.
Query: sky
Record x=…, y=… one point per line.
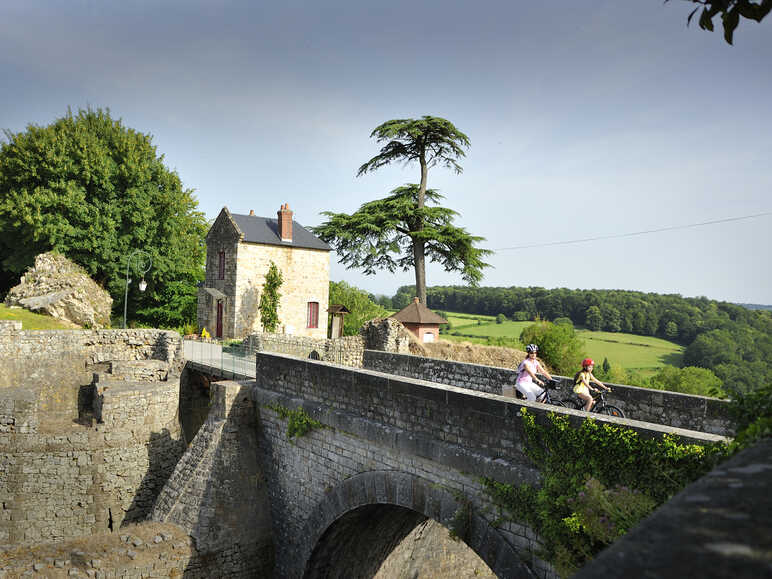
x=586, y=119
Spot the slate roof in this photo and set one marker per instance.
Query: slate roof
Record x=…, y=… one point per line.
x=417, y=313
x=266, y=231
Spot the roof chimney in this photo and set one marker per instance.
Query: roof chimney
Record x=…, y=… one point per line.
x=251, y=212
x=285, y=223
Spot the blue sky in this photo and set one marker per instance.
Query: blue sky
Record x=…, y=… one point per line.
x=585, y=119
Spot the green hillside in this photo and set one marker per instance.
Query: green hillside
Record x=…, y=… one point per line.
x=644, y=354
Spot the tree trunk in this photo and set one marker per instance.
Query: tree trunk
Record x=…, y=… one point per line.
x=420, y=271
x=418, y=246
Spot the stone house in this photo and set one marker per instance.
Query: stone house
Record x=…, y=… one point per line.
x=239, y=249
x=420, y=320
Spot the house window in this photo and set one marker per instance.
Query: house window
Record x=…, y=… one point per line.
x=313, y=314
x=221, y=265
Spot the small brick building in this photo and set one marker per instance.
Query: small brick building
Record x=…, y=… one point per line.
x=239, y=249
x=420, y=320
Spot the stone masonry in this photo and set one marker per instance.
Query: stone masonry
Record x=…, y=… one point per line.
x=687, y=411
x=85, y=455
x=305, y=271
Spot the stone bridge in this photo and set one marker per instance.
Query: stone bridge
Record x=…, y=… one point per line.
x=329, y=467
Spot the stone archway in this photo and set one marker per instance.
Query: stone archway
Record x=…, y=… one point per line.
x=357, y=525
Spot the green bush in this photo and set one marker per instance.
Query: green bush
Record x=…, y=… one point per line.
x=501, y=318
x=559, y=346
x=689, y=380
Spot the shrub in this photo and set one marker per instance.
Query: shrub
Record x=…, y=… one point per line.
x=558, y=345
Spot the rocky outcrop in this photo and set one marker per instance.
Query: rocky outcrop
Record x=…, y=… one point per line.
x=57, y=287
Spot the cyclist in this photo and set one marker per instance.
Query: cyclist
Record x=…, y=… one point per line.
x=526, y=374
x=582, y=380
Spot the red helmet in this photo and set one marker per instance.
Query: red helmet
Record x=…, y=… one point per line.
x=587, y=362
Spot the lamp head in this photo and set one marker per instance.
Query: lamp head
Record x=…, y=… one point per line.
x=142, y=285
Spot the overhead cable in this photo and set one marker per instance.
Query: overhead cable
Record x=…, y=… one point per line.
x=645, y=232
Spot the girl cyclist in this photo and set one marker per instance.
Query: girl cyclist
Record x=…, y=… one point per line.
x=526, y=374
x=582, y=386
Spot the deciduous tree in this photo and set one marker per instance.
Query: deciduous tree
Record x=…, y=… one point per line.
x=93, y=189
x=730, y=12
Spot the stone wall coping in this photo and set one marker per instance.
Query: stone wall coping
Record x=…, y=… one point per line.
x=493, y=404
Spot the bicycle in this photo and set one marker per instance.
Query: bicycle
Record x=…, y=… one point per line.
x=544, y=397
x=600, y=407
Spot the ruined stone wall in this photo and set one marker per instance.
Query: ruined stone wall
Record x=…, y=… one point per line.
x=687, y=411
x=347, y=350
x=89, y=429
x=379, y=334
x=84, y=480
x=57, y=365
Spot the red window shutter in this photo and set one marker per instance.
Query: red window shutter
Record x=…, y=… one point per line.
x=313, y=314
x=221, y=266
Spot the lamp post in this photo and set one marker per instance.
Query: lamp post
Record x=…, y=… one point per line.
x=143, y=264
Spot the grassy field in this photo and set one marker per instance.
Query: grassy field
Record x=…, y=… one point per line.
x=30, y=321
x=632, y=352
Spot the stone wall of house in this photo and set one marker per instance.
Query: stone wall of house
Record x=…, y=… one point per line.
x=686, y=411
x=223, y=237
x=306, y=274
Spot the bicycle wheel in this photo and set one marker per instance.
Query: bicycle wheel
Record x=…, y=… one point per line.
x=609, y=410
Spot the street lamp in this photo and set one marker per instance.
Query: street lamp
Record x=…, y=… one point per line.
x=143, y=262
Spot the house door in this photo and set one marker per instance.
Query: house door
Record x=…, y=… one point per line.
x=218, y=332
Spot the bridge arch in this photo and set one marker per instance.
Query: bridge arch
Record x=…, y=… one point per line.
x=360, y=521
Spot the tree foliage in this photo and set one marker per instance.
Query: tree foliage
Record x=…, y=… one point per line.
x=401, y=224
x=358, y=302
x=730, y=12
x=94, y=190
x=734, y=342
x=558, y=345
x=383, y=233
x=269, y=299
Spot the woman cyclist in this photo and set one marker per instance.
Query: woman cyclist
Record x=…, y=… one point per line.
x=526, y=374
x=582, y=380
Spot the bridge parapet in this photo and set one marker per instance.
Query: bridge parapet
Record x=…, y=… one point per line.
x=673, y=409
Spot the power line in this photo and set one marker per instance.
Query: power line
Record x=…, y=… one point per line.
x=646, y=232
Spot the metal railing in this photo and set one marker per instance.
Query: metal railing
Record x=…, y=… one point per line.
x=225, y=359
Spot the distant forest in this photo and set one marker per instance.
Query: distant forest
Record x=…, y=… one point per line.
x=733, y=341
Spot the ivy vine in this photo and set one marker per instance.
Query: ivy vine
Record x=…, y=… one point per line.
x=597, y=482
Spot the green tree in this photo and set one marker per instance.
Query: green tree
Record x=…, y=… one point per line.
x=385, y=234
x=730, y=12
x=559, y=346
x=500, y=318
x=594, y=319
x=94, y=190
x=689, y=380
x=362, y=308
x=269, y=299
x=671, y=330
x=400, y=231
